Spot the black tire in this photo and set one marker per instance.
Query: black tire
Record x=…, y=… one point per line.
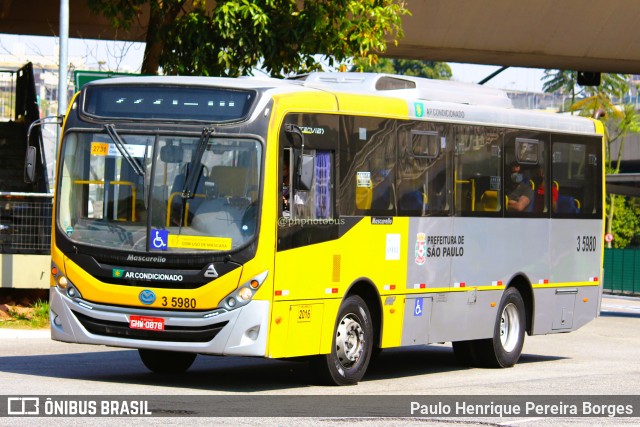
x=465, y=352
x=351, y=347
x=505, y=348
x=166, y=362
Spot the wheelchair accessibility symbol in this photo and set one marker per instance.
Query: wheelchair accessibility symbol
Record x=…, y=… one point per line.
x=158, y=239
x=417, y=308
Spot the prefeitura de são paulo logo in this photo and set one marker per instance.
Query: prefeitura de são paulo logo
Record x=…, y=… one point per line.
x=421, y=248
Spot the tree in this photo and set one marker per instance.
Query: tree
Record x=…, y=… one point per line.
x=231, y=37
x=561, y=81
x=625, y=223
x=406, y=67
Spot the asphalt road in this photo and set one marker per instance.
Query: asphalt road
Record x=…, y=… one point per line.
x=601, y=359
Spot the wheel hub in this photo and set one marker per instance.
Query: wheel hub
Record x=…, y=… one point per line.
x=509, y=327
x=350, y=341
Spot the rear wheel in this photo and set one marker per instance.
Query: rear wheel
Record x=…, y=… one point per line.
x=352, y=345
x=166, y=362
x=504, y=349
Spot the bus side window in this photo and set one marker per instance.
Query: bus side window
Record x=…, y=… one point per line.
x=478, y=171
x=317, y=201
x=576, y=175
x=422, y=170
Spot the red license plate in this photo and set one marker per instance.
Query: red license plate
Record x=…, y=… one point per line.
x=146, y=323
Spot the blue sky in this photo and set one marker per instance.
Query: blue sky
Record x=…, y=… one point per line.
x=116, y=56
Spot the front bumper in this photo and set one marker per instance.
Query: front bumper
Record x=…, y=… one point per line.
x=241, y=332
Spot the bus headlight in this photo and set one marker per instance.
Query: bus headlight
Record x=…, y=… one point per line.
x=245, y=292
x=63, y=282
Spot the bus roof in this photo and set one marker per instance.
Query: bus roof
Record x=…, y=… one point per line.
x=426, y=98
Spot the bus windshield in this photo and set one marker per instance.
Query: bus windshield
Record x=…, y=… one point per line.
x=104, y=201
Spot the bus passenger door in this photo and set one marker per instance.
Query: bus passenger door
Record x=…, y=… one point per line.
x=424, y=170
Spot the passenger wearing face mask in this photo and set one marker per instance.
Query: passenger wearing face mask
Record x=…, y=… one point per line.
x=518, y=192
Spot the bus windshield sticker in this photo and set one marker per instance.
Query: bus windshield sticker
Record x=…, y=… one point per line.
x=158, y=239
x=199, y=242
x=109, y=150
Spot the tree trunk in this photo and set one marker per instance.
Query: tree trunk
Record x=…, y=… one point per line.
x=155, y=45
x=158, y=19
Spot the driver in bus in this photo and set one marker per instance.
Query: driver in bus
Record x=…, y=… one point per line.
x=518, y=192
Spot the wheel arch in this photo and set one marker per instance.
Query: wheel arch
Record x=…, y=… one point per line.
x=523, y=285
x=366, y=290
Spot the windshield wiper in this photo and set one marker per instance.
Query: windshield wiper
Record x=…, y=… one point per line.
x=193, y=172
x=111, y=130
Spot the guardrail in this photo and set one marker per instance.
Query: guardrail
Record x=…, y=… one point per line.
x=622, y=271
x=25, y=223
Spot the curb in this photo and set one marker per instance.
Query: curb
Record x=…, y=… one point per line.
x=19, y=334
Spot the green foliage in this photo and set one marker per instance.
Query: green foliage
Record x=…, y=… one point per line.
x=599, y=99
x=36, y=317
x=232, y=37
x=406, y=67
x=625, y=223
x=561, y=81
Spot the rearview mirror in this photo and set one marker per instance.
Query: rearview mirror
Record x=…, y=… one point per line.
x=30, y=165
x=171, y=154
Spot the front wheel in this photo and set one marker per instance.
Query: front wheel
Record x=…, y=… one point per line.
x=504, y=349
x=352, y=345
x=166, y=362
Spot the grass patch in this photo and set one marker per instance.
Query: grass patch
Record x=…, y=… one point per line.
x=34, y=317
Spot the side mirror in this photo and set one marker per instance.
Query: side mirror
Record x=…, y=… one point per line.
x=304, y=165
x=30, y=165
x=306, y=172
x=30, y=157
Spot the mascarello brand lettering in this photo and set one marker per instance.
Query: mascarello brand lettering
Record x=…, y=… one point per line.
x=140, y=258
x=381, y=221
x=153, y=276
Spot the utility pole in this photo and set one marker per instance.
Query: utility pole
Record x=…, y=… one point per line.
x=63, y=61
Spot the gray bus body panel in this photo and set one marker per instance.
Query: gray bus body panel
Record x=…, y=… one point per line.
x=463, y=266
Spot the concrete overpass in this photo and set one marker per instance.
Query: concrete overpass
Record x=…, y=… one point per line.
x=583, y=35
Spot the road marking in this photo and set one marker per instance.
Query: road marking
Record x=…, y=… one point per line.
x=621, y=307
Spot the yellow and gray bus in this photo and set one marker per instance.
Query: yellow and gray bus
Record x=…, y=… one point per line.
x=329, y=217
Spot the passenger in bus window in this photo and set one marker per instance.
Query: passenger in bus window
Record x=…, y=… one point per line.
x=539, y=200
x=518, y=192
